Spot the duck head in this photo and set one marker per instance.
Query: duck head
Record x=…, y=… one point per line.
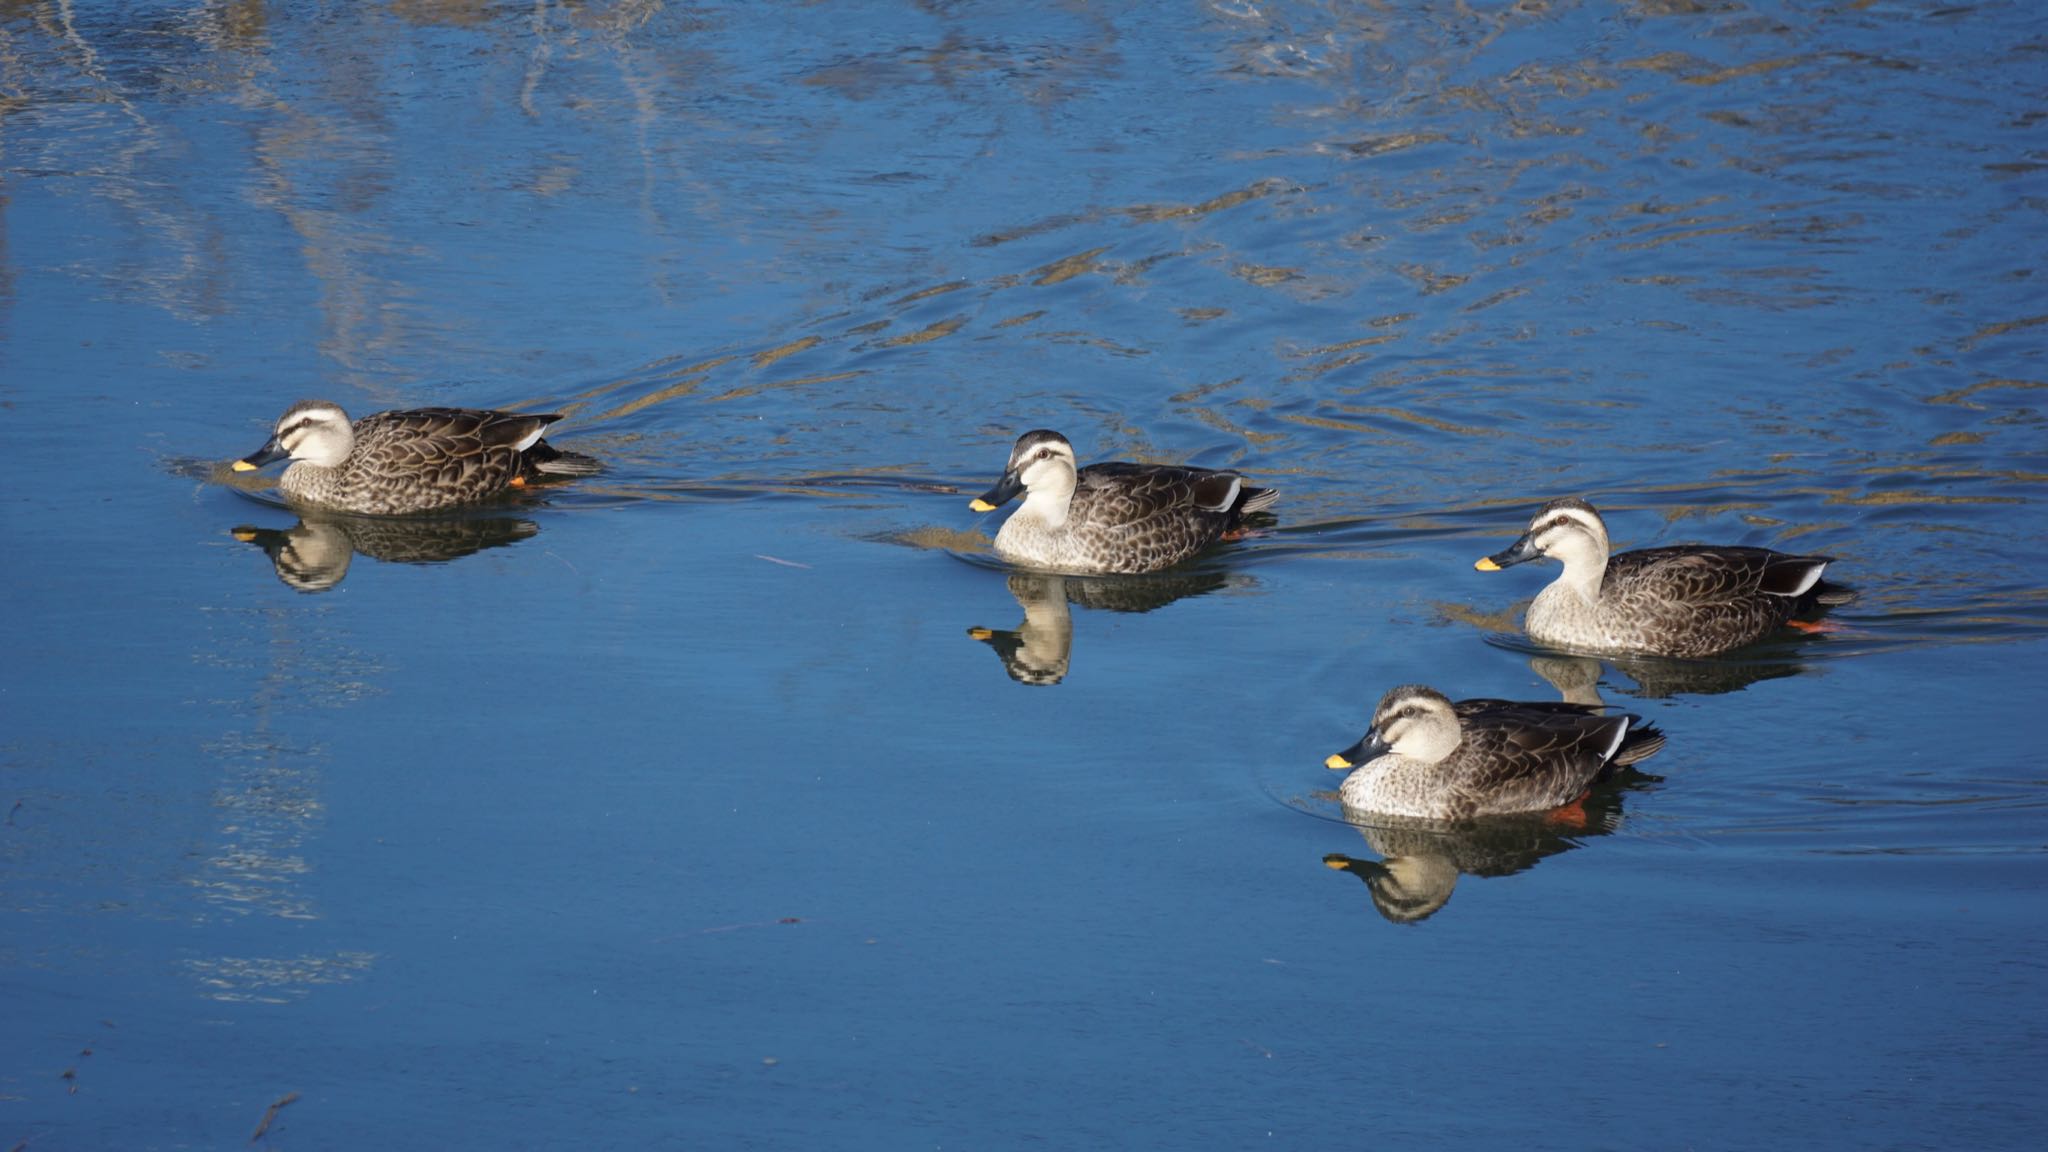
x=1041, y=466
x=314, y=431
x=1567, y=530
x=1412, y=722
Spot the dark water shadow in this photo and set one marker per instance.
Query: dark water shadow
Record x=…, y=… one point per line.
x=314, y=554
x=1421, y=860
x=1578, y=677
x=1039, y=650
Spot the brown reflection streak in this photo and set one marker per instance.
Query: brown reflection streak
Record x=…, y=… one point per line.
x=1381, y=145
x=928, y=293
x=1324, y=367
x=1333, y=425
x=446, y=13
x=1066, y=268
x=1145, y=214
x=682, y=387
x=1154, y=212
x=1264, y=277
x=577, y=401
x=1691, y=234
x=1417, y=418
x=1216, y=420
x=1758, y=68
x=764, y=358
x=925, y=335
x=799, y=382
x=2001, y=329
x=1500, y=297
x=1190, y=395
x=1917, y=498
x=1429, y=282
x=1945, y=472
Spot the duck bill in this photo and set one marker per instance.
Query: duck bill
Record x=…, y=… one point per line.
x=1005, y=490
x=264, y=455
x=1519, y=552
x=1369, y=747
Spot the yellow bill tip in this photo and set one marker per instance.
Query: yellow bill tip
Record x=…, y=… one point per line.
x=1486, y=564
x=1336, y=763
x=980, y=505
x=980, y=633
x=242, y=466
x=1336, y=863
x=245, y=535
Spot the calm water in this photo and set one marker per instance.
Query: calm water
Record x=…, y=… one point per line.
x=737, y=798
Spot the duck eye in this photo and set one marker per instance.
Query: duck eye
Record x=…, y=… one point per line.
x=1045, y=453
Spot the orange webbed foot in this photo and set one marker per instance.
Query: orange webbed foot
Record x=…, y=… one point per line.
x=1572, y=815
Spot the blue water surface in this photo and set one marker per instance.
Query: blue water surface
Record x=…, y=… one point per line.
x=738, y=797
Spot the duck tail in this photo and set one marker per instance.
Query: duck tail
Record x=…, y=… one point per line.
x=1642, y=742
x=544, y=459
x=1832, y=594
x=1256, y=499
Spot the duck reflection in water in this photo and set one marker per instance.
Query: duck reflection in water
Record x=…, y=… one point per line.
x=1577, y=678
x=314, y=554
x=1421, y=860
x=1040, y=648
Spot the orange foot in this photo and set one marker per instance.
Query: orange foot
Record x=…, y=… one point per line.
x=1816, y=627
x=1236, y=534
x=516, y=482
x=1572, y=815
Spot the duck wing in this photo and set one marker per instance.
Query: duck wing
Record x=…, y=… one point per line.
x=1706, y=574
x=1563, y=722
x=1530, y=760
x=458, y=429
x=1125, y=491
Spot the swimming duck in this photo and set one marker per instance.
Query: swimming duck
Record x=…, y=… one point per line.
x=1112, y=517
x=416, y=460
x=1682, y=600
x=1425, y=756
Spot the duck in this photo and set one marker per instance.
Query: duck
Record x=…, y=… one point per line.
x=1429, y=758
x=1683, y=600
x=1111, y=517
x=411, y=460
